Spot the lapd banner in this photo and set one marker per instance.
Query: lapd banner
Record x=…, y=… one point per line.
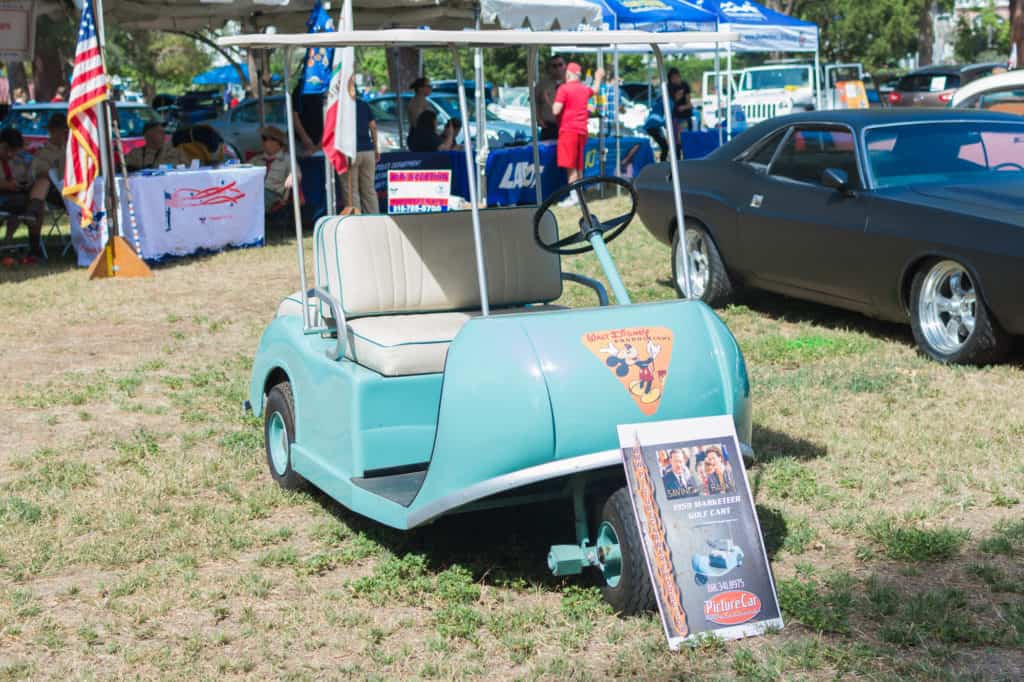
x=700, y=534
x=510, y=180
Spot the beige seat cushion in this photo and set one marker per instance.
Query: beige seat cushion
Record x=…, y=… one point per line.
x=400, y=345
x=386, y=265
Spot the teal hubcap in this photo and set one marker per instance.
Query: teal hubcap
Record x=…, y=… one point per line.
x=609, y=558
x=277, y=441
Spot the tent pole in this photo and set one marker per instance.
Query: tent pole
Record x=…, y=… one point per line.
x=294, y=162
x=392, y=57
x=728, y=90
x=474, y=204
x=673, y=162
x=718, y=94
x=817, y=76
x=531, y=77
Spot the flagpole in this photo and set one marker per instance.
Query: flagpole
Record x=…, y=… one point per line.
x=103, y=123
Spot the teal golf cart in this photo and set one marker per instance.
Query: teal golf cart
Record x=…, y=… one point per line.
x=428, y=370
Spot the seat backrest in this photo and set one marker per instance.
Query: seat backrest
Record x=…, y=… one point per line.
x=425, y=262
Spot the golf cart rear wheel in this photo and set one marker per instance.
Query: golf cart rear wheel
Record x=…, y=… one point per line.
x=279, y=435
x=627, y=585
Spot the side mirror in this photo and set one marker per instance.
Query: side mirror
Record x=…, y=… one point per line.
x=836, y=179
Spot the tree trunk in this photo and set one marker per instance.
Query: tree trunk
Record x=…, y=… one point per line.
x=16, y=77
x=403, y=68
x=926, y=34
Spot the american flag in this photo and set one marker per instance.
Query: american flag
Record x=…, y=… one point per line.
x=88, y=88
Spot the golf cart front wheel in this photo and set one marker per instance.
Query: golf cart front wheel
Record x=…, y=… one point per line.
x=626, y=582
x=279, y=435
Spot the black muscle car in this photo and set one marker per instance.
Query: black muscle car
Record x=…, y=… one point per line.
x=896, y=214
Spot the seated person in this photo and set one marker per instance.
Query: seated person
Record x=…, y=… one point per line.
x=424, y=137
x=275, y=156
x=49, y=156
x=155, y=153
x=200, y=142
x=14, y=177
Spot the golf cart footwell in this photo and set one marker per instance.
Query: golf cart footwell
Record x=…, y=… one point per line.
x=399, y=488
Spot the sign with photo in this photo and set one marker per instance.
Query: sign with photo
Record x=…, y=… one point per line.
x=701, y=536
x=419, y=191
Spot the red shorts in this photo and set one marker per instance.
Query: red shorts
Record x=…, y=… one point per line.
x=570, y=149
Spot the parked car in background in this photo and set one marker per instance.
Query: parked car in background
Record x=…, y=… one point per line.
x=934, y=86
x=513, y=105
x=31, y=119
x=451, y=87
x=899, y=214
x=1000, y=92
x=499, y=133
x=240, y=127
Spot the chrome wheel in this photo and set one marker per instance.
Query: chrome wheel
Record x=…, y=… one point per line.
x=947, y=307
x=697, y=252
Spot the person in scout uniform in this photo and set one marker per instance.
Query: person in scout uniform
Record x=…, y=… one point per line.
x=278, y=179
x=14, y=178
x=49, y=157
x=155, y=153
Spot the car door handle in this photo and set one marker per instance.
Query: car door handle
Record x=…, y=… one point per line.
x=755, y=201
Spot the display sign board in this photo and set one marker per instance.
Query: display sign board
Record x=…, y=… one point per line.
x=17, y=30
x=419, y=191
x=700, y=534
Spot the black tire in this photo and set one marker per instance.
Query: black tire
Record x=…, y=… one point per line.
x=633, y=594
x=280, y=402
x=719, y=289
x=986, y=344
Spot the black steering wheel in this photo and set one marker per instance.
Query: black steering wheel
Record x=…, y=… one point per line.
x=589, y=223
x=1008, y=164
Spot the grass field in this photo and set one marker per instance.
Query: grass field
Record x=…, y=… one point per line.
x=141, y=536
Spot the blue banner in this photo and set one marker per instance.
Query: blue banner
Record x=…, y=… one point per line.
x=316, y=69
x=510, y=177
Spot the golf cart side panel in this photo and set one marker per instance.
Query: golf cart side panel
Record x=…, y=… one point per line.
x=523, y=391
x=349, y=417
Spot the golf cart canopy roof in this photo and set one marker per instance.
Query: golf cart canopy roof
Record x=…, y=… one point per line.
x=496, y=38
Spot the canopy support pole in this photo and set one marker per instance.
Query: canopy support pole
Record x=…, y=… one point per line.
x=474, y=206
x=602, y=106
x=294, y=163
x=531, y=77
x=329, y=184
x=673, y=162
x=392, y=57
x=616, y=107
x=480, y=97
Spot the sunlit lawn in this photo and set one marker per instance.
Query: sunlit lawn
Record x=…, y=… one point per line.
x=143, y=538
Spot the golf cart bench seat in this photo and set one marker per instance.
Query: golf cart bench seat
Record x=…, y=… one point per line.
x=408, y=283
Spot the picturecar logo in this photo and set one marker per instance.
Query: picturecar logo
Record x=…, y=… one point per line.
x=732, y=608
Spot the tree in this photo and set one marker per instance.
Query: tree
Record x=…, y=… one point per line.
x=154, y=59
x=984, y=37
x=1017, y=30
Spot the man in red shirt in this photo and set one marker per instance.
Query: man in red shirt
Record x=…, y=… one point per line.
x=571, y=108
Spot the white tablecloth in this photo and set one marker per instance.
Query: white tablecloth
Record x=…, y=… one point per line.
x=181, y=212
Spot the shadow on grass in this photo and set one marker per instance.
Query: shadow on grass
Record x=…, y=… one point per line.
x=795, y=310
x=59, y=262
x=506, y=546
x=769, y=445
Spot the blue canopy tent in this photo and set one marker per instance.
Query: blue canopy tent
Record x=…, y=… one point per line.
x=655, y=15
x=221, y=75
x=762, y=29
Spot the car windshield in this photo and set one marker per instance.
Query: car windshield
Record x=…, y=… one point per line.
x=944, y=152
x=768, y=79
x=133, y=119
x=450, y=104
x=29, y=121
